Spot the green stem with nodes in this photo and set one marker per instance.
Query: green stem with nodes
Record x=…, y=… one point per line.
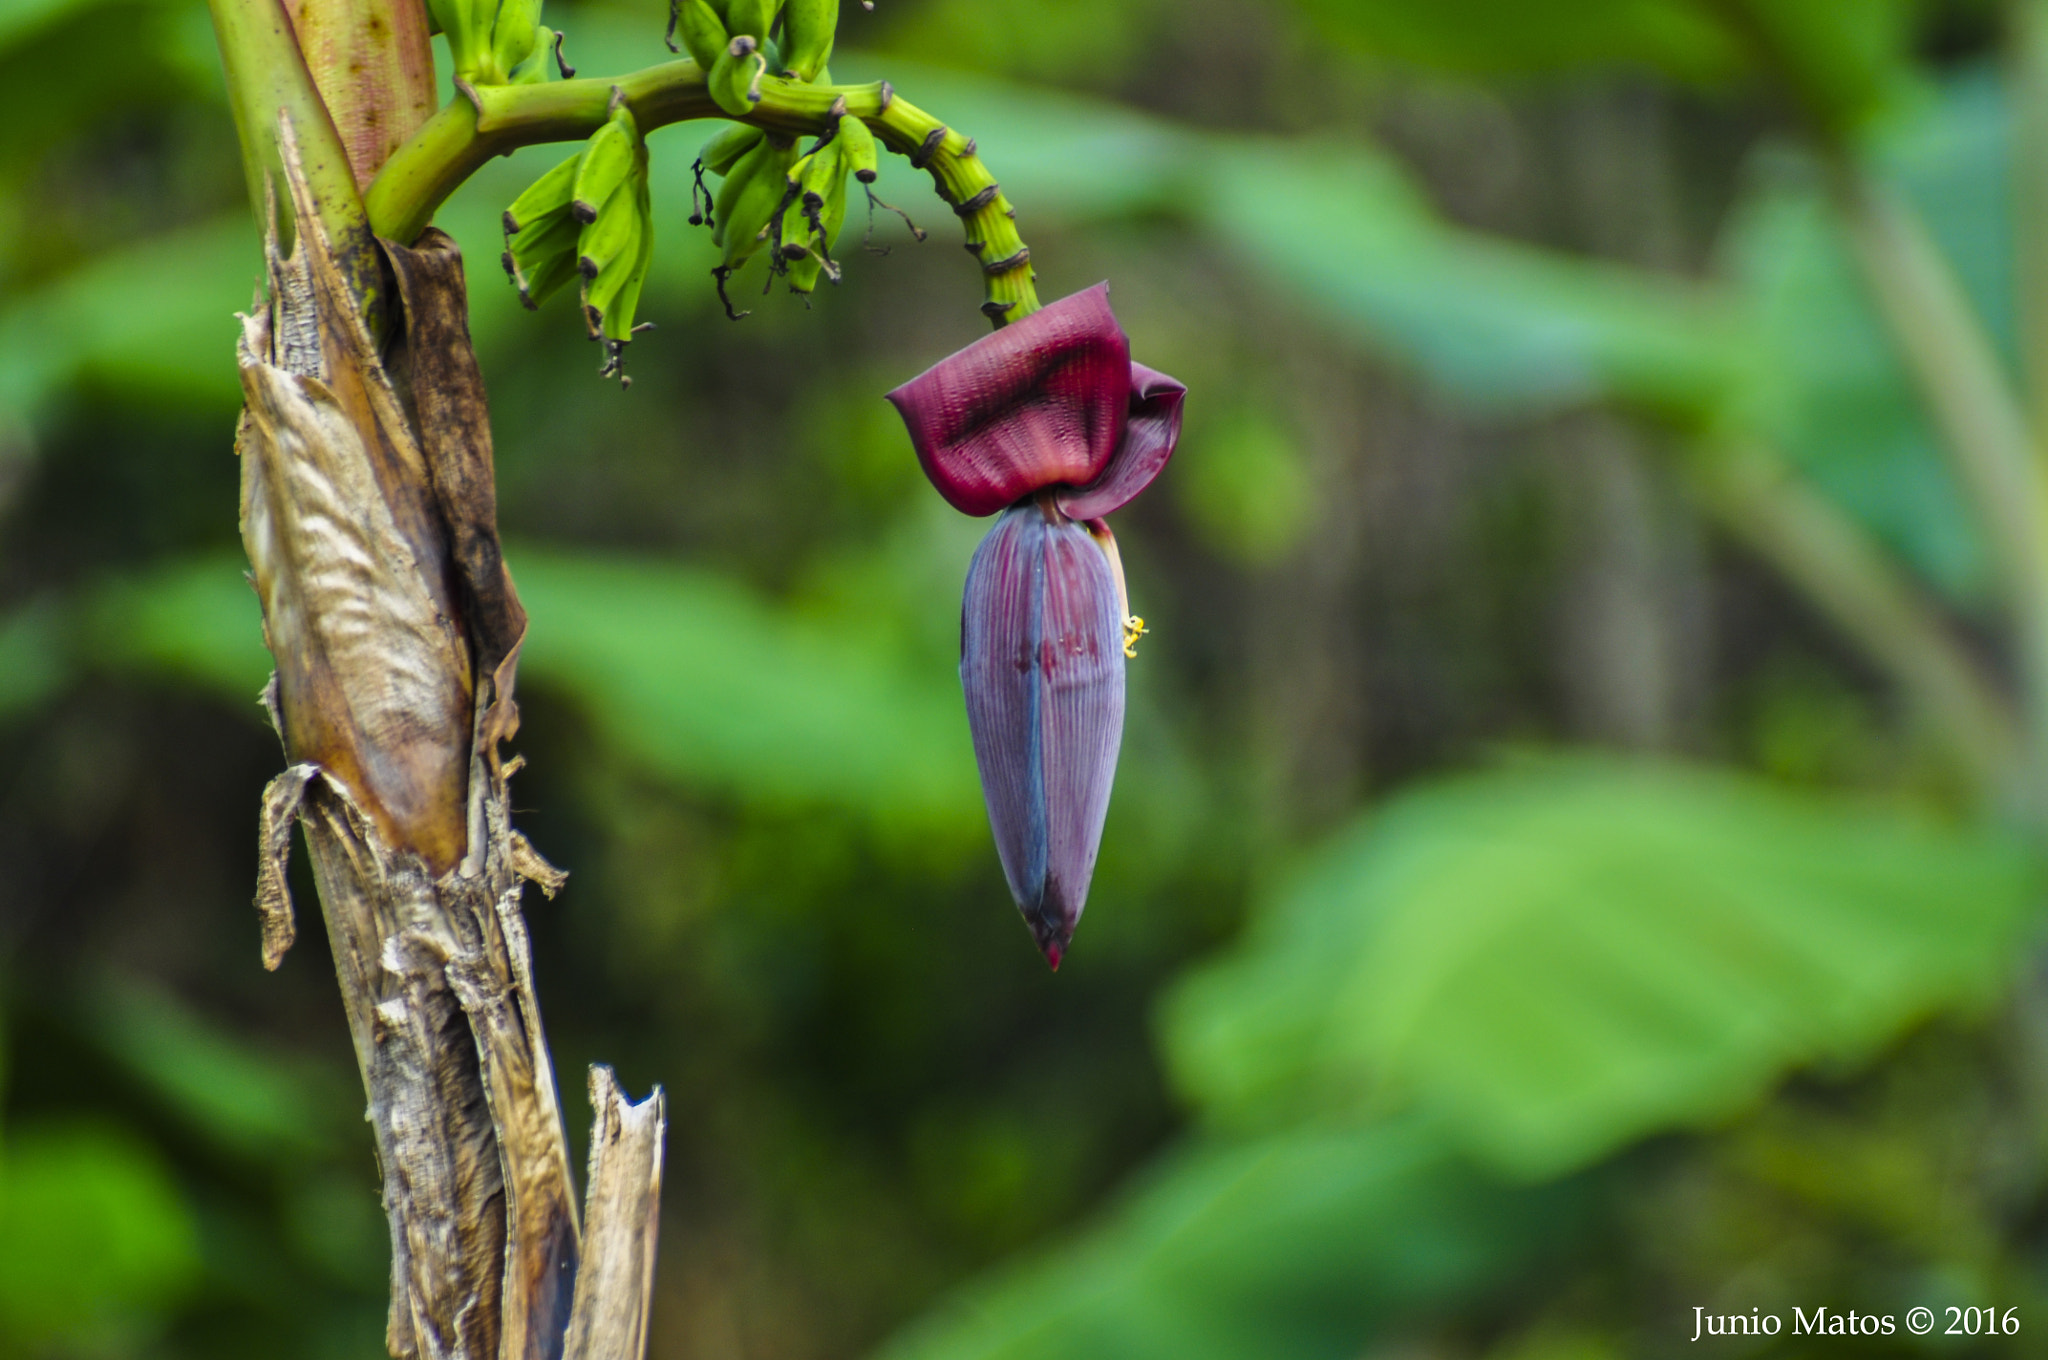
x=482, y=122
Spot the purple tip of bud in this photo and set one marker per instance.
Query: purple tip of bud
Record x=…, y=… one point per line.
x=1041, y=660
x=1151, y=429
x=1042, y=402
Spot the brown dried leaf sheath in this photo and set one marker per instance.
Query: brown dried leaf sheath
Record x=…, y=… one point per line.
x=369, y=517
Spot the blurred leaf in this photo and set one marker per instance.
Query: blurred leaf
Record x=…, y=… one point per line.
x=1842, y=61
x=1534, y=35
x=153, y=320
x=255, y=1105
x=21, y=19
x=95, y=1239
x=195, y=620
x=1562, y=956
x=1499, y=325
x=31, y=657
x=1061, y=40
x=1249, y=493
x=1303, y=1245
x=689, y=674
x=1826, y=385
x=684, y=672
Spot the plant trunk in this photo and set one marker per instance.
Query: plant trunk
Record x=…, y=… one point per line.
x=368, y=512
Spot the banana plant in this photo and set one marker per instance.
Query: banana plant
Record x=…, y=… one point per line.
x=369, y=517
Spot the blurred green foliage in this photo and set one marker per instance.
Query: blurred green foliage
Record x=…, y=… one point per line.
x=1516, y=1056
x=1558, y=959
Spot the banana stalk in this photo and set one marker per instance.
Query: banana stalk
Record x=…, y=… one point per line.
x=370, y=526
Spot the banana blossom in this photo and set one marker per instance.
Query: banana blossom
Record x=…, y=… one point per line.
x=1048, y=422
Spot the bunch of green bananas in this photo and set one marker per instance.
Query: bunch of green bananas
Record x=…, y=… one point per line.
x=589, y=218
x=498, y=42
x=777, y=195
x=789, y=37
x=814, y=201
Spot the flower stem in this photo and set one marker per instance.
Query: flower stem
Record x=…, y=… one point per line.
x=493, y=120
x=1979, y=417
x=2030, y=195
x=1854, y=582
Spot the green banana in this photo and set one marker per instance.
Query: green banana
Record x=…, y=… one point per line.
x=733, y=78
x=807, y=182
x=467, y=31
x=748, y=201
x=724, y=150
x=610, y=299
x=754, y=18
x=821, y=168
x=548, y=195
x=857, y=147
x=824, y=217
x=615, y=232
x=808, y=28
x=738, y=182
x=534, y=69
x=608, y=158
x=542, y=258
x=703, y=31
x=515, y=34
x=802, y=273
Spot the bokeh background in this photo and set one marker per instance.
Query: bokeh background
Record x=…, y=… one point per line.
x=1527, y=912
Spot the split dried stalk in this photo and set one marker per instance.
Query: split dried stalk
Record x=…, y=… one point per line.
x=369, y=515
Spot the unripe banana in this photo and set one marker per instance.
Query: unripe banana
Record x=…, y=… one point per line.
x=723, y=151
x=815, y=173
x=603, y=291
x=610, y=156
x=515, y=34
x=752, y=163
x=546, y=196
x=808, y=27
x=803, y=272
x=750, y=17
x=757, y=197
x=542, y=258
x=468, y=30
x=732, y=78
x=702, y=29
x=825, y=217
x=857, y=147
x=822, y=219
x=614, y=234
x=610, y=299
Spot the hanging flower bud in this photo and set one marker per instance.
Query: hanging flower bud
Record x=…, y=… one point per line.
x=1049, y=420
x=1042, y=663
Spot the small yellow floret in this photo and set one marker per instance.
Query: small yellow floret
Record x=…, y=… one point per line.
x=1134, y=628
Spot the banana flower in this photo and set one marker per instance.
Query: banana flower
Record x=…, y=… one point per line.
x=1050, y=424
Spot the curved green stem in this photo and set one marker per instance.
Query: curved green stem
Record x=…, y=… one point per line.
x=1980, y=418
x=488, y=121
x=1855, y=583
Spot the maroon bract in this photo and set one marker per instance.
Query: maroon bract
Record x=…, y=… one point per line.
x=1050, y=420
